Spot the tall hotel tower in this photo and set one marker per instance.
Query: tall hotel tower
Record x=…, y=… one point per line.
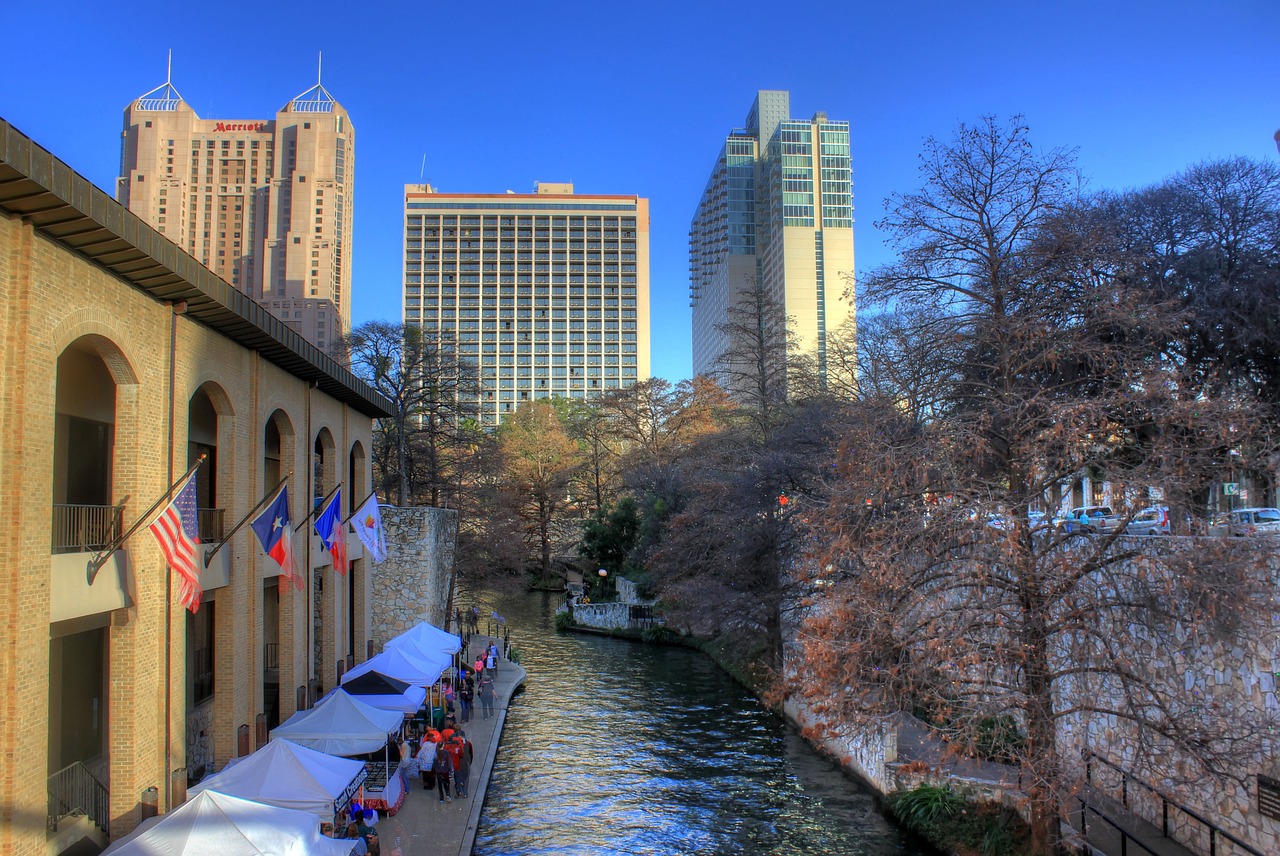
x=263, y=203
x=778, y=210
x=547, y=293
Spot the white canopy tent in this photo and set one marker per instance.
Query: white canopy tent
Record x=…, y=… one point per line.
x=428, y=638
x=341, y=725
x=288, y=775
x=403, y=664
x=407, y=703
x=214, y=824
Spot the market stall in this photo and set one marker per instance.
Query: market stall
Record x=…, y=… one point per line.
x=212, y=822
x=288, y=775
x=342, y=725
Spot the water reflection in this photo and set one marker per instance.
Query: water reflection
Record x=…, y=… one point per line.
x=621, y=748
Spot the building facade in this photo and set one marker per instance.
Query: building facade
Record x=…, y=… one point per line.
x=778, y=211
x=266, y=204
x=546, y=294
x=125, y=361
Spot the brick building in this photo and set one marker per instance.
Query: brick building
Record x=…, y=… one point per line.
x=124, y=358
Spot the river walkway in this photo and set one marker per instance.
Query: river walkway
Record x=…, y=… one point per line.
x=424, y=826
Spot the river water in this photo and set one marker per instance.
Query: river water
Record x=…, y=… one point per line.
x=616, y=747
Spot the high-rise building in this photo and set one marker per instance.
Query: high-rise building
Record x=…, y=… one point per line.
x=547, y=293
x=777, y=210
x=264, y=203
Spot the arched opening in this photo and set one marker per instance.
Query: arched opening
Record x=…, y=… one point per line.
x=202, y=439
x=277, y=448
x=358, y=482
x=326, y=470
x=325, y=462
x=86, y=517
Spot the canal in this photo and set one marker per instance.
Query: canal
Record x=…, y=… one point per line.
x=616, y=747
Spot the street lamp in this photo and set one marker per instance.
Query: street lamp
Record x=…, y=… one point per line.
x=604, y=576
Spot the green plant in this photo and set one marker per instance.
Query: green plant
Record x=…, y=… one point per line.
x=657, y=633
x=925, y=807
x=564, y=620
x=513, y=654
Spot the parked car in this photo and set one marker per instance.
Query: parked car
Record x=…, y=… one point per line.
x=1090, y=519
x=1247, y=521
x=1149, y=521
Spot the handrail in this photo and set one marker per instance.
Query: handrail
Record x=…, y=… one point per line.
x=1214, y=830
x=1125, y=837
x=75, y=788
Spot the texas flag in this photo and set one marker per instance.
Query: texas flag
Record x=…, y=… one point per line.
x=276, y=536
x=333, y=531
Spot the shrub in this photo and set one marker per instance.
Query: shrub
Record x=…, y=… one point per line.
x=953, y=825
x=999, y=740
x=657, y=633
x=925, y=807
x=564, y=621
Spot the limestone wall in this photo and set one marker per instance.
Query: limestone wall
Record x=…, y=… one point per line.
x=413, y=584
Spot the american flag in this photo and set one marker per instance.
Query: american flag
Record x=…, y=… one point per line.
x=179, y=536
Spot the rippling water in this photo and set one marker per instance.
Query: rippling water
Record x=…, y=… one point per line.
x=616, y=747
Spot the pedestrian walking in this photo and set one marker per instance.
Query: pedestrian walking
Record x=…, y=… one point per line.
x=491, y=658
x=462, y=761
x=479, y=664
x=443, y=768
x=426, y=761
x=466, y=696
x=488, y=694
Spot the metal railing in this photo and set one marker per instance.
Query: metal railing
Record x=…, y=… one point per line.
x=73, y=789
x=85, y=528
x=1215, y=832
x=210, y=523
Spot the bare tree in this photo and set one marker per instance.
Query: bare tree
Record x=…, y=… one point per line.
x=933, y=588
x=433, y=392
x=754, y=367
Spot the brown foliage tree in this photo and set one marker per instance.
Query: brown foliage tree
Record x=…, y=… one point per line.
x=539, y=462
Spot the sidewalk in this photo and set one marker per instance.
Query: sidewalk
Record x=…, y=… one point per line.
x=426, y=827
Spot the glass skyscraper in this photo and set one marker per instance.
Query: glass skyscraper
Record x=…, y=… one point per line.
x=778, y=210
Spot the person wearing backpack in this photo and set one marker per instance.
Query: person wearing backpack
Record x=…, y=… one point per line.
x=443, y=768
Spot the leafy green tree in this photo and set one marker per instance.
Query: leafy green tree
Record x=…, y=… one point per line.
x=609, y=537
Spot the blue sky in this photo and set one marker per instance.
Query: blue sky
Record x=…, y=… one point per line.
x=636, y=97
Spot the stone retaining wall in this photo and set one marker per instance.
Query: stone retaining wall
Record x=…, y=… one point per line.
x=414, y=583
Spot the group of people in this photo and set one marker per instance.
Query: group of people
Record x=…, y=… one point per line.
x=475, y=681
x=443, y=758
x=443, y=762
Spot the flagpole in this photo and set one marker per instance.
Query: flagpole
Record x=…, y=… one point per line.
x=271, y=495
x=316, y=507
x=100, y=559
x=360, y=506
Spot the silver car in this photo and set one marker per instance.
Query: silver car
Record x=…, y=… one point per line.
x=1247, y=521
x=1149, y=521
